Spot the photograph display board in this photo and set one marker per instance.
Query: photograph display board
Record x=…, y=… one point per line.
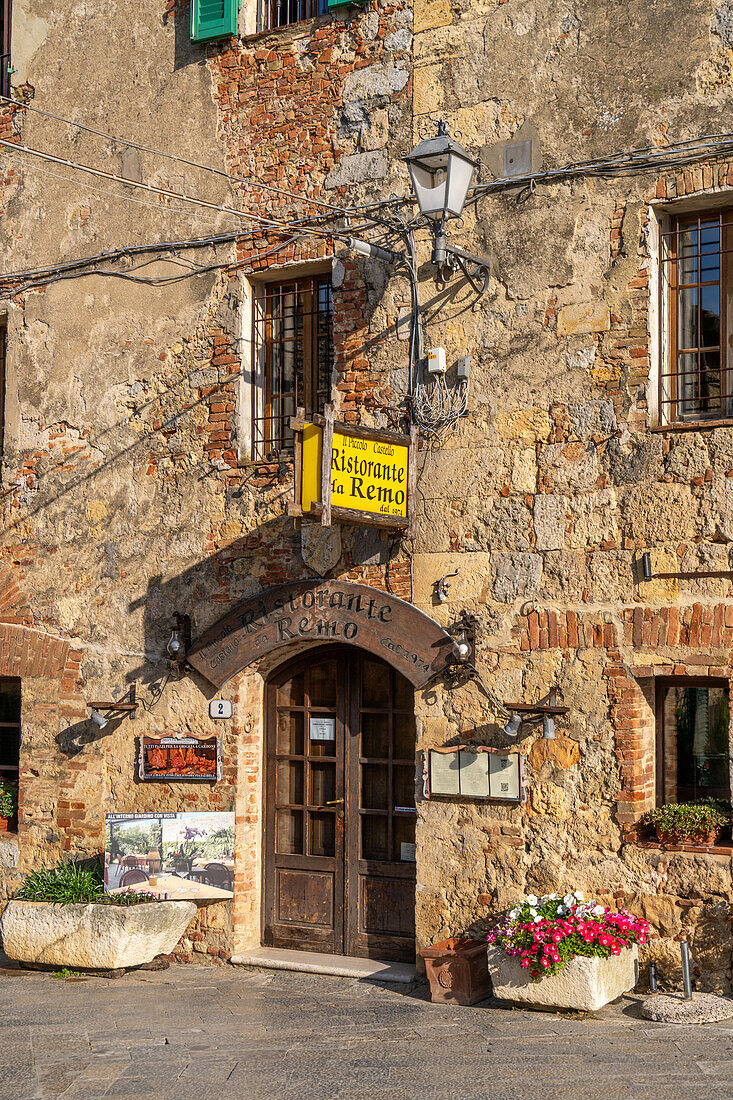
x=176, y=856
x=180, y=758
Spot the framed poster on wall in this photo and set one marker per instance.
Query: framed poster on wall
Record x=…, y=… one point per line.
x=170, y=758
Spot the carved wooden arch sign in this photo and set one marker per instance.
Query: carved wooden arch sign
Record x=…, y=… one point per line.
x=323, y=611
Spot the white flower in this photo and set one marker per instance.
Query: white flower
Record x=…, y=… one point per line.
x=562, y=910
x=533, y=913
x=552, y=897
x=536, y=919
x=531, y=899
x=579, y=895
x=569, y=900
x=598, y=910
x=513, y=914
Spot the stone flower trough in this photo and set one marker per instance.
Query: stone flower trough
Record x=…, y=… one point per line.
x=92, y=937
x=584, y=983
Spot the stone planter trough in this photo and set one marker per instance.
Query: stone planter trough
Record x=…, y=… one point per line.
x=584, y=984
x=92, y=937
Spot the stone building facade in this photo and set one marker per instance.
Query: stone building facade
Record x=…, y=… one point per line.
x=140, y=481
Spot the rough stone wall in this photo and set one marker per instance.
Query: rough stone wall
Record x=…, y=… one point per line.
x=126, y=495
x=554, y=485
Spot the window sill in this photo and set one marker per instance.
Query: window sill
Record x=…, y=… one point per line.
x=696, y=849
x=692, y=426
x=302, y=29
x=9, y=835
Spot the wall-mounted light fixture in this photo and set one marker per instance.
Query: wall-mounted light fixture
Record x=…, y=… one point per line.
x=179, y=644
x=103, y=712
x=441, y=171
x=647, y=574
x=442, y=585
x=534, y=712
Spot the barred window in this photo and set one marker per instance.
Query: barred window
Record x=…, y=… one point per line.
x=6, y=18
x=695, y=379
x=293, y=352
x=280, y=13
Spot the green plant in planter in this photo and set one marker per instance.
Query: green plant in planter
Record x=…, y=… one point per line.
x=75, y=884
x=689, y=821
x=8, y=798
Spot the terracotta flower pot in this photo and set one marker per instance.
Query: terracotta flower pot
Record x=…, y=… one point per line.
x=674, y=836
x=457, y=971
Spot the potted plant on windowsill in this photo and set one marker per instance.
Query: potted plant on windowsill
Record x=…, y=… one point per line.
x=689, y=822
x=8, y=804
x=564, y=952
x=62, y=917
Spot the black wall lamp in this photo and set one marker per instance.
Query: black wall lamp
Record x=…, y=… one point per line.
x=647, y=574
x=104, y=711
x=441, y=171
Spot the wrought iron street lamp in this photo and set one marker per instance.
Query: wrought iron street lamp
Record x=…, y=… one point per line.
x=442, y=171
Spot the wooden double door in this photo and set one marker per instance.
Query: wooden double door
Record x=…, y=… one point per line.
x=340, y=807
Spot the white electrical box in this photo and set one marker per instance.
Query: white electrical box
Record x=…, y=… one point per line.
x=436, y=361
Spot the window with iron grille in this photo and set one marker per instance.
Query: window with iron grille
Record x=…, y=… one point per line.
x=697, y=367
x=293, y=353
x=280, y=13
x=5, y=34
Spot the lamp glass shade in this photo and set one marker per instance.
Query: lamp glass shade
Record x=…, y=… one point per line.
x=99, y=719
x=174, y=645
x=441, y=171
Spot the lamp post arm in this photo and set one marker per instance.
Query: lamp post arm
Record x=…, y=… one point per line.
x=480, y=268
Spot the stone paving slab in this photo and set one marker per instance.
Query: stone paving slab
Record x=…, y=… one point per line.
x=199, y=1033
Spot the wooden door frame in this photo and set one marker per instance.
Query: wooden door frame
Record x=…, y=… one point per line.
x=352, y=866
x=282, y=672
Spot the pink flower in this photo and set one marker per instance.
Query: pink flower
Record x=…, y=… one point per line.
x=535, y=973
x=545, y=961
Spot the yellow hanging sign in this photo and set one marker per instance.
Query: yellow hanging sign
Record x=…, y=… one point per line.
x=366, y=475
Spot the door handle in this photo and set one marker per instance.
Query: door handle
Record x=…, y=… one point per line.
x=336, y=802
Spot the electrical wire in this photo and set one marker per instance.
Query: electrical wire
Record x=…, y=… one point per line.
x=238, y=180
x=27, y=163
x=645, y=158
x=77, y=272
x=167, y=192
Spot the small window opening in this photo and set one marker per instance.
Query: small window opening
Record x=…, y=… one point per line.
x=9, y=728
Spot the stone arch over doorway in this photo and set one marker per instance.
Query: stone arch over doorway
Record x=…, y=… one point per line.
x=318, y=611
x=247, y=648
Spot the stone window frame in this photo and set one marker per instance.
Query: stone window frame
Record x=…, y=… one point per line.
x=661, y=683
x=251, y=389
x=661, y=214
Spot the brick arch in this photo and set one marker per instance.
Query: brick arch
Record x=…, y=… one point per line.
x=27, y=652
x=13, y=600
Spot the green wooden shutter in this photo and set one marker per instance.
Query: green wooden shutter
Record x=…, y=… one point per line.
x=343, y=3
x=212, y=19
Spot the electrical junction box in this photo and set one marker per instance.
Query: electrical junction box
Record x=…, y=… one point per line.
x=436, y=361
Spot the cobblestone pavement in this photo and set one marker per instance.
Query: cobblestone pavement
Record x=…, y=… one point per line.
x=206, y=1033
